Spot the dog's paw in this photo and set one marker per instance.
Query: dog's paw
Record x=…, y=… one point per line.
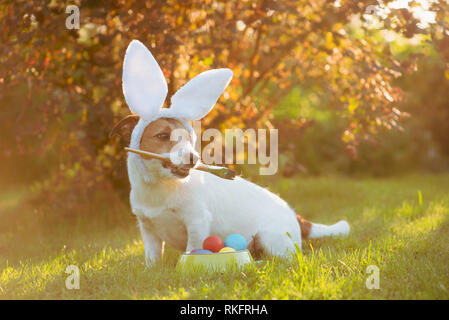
x=151, y=262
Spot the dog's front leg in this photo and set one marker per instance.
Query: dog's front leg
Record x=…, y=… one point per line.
x=198, y=228
x=152, y=243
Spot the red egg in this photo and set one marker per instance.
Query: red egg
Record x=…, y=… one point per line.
x=213, y=243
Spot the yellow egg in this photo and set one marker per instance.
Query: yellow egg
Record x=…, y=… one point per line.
x=227, y=249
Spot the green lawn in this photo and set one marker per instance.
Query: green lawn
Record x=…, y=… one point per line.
x=394, y=228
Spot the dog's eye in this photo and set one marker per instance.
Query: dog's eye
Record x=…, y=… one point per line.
x=163, y=136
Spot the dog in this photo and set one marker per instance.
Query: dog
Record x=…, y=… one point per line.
x=180, y=206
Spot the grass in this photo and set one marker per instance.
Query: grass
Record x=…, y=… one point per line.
x=400, y=225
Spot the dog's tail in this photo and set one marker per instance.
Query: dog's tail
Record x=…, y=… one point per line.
x=310, y=230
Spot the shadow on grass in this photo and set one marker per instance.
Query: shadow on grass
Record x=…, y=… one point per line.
x=411, y=250
x=111, y=256
x=417, y=268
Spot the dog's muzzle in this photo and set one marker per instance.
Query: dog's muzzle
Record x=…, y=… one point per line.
x=182, y=170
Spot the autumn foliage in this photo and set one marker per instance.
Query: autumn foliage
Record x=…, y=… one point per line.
x=60, y=89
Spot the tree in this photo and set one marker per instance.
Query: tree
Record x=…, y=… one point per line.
x=60, y=88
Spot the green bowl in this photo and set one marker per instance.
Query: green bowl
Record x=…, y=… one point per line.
x=221, y=261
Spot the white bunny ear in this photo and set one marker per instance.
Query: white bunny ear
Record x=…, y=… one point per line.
x=196, y=98
x=143, y=82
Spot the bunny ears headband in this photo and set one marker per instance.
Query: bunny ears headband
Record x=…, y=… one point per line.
x=145, y=88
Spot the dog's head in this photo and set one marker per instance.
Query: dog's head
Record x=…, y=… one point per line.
x=165, y=131
x=160, y=137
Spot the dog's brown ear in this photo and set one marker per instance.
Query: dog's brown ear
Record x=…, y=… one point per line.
x=125, y=126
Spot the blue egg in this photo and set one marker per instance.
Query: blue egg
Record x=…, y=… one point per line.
x=235, y=241
x=202, y=252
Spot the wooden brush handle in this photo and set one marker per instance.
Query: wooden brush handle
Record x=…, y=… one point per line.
x=149, y=154
x=221, y=172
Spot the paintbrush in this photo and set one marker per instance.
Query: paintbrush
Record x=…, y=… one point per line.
x=221, y=172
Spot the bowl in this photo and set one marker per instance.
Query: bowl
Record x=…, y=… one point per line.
x=220, y=262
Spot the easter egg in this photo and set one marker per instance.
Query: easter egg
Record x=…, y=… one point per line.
x=195, y=251
x=227, y=249
x=235, y=241
x=203, y=252
x=213, y=243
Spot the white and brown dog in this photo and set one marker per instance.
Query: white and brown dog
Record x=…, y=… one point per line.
x=180, y=206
